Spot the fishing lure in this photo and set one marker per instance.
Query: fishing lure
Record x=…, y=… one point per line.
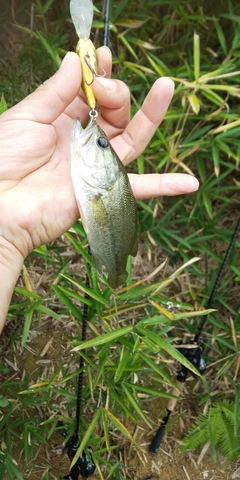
x=82, y=17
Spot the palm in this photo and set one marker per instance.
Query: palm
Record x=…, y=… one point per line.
x=37, y=194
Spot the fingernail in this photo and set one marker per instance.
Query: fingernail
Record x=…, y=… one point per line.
x=65, y=60
x=106, y=47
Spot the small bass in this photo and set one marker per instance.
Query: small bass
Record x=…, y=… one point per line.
x=105, y=200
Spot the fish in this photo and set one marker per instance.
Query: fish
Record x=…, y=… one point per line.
x=105, y=200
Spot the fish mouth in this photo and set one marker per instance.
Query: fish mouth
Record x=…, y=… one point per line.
x=84, y=135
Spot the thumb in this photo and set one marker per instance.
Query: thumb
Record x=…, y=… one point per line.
x=50, y=100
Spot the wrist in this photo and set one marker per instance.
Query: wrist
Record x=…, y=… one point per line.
x=11, y=262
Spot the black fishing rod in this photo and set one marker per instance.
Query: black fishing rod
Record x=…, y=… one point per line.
x=106, y=9
x=84, y=466
x=194, y=355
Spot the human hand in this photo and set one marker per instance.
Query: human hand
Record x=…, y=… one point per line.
x=37, y=202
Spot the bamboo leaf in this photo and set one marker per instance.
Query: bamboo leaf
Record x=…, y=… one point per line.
x=125, y=355
x=106, y=431
x=160, y=371
x=120, y=427
x=221, y=37
x=118, y=399
x=28, y=320
x=27, y=293
x=3, y=105
x=208, y=204
x=89, y=291
x=149, y=390
x=53, y=54
x=196, y=55
x=79, y=247
x=135, y=404
x=195, y=103
x=165, y=345
x=86, y=436
x=107, y=337
x=66, y=300
x=216, y=158
x=128, y=46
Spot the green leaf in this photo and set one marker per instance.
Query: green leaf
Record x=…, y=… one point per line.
x=27, y=293
x=28, y=321
x=106, y=431
x=165, y=345
x=128, y=46
x=196, y=55
x=53, y=54
x=60, y=291
x=3, y=402
x=149, y=390
x=12, y=469
x=89, y=291
x=221, y=36
x=158, y=369
x=3, y=105
x=207, y=204
x=120, y=427
x=86, y=436
x=124, y=358
x=104, y=355
x=79, y=247
x=107, y=337
x=195, y=103
x=47, y=6
x=121, y=402
x=135, y=405
x=216, y=158
x=71, y=293
x=45, y=475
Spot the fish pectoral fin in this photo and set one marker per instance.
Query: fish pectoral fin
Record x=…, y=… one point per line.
x=99, y=211
x=116, y=280
x=134, y=248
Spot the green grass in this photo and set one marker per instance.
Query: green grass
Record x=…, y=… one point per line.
x=127, y=352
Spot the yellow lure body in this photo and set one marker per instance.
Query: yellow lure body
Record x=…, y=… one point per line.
x=87, y=54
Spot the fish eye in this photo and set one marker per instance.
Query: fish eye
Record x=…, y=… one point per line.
x=102, y=142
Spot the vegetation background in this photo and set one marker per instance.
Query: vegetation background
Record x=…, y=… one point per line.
x=131, y=363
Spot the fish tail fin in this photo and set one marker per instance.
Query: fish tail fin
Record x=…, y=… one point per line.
x=116, y=280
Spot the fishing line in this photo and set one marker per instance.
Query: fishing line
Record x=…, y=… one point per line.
x=194, y=355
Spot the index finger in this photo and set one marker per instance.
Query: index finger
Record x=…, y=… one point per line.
x=137, y=134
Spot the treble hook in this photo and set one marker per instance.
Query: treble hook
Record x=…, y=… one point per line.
x=91, y=68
